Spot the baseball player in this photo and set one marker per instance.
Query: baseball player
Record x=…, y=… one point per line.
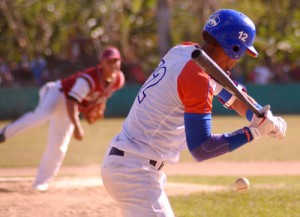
x=60, y=104
x=172, y=112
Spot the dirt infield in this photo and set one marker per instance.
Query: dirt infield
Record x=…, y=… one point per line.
x=78, y=191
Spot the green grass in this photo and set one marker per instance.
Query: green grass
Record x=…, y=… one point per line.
x=283, y=202
x=228, y=180
x=276, y=196
x=26, y=149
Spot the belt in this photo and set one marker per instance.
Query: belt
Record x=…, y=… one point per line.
x=118, y=152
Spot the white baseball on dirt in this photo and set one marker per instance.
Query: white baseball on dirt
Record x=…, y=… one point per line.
x=242, y=184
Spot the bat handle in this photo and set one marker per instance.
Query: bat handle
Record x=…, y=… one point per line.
x=257, y=113
x=260, y=113
x=197, y=53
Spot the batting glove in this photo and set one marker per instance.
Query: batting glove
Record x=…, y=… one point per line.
x=280, y=128
x=261, y=126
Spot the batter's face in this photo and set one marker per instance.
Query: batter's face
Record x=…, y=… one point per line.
x=222, y=59
x=228, y=63
x=111, y=67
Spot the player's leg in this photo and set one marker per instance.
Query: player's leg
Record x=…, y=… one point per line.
x=136, y=188
x=49, y=95
x=59, y=135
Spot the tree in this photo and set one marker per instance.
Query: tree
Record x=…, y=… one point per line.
x=163, y=19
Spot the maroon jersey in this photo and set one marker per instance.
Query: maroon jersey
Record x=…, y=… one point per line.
x=99, y=89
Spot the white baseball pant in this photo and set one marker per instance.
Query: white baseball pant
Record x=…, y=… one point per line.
x=136, y=186
x=52, y=109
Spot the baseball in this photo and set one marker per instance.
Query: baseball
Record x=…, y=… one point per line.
x=242, y=184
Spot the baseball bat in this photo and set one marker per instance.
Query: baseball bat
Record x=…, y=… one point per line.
x=218, y=74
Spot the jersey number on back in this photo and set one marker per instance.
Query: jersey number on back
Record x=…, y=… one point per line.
x=157, y=75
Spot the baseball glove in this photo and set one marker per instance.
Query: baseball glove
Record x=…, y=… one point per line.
x=94, y=113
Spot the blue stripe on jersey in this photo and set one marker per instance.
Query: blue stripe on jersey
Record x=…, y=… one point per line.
x=197, y=129
x=225, y=95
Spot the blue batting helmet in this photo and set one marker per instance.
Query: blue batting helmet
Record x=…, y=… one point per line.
x=234, y=31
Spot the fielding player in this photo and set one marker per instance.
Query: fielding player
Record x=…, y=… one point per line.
x=60, y=104
x=172, y=112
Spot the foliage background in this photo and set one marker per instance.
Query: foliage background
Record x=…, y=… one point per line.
x=143, y=29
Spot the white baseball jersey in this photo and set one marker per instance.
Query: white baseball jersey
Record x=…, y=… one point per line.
x=154, y=127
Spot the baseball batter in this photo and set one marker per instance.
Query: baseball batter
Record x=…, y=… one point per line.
x=172, y=112
x=60, y=104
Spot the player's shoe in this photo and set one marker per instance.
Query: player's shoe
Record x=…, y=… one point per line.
x=40, y=187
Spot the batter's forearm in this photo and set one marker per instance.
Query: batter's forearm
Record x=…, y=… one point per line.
x=230, y=101
x=214, y=146
x=204, y=145
x=219, y=144
x=240, y=108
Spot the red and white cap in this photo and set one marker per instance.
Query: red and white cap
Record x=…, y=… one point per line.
x=110, y=53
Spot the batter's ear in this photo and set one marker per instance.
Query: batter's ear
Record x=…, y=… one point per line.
x=204, y=34
x=210, y=40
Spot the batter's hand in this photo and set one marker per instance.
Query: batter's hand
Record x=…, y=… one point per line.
x=280, y=128
x=262, y=126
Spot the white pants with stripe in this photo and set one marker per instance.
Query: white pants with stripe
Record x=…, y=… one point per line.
x=136, y=186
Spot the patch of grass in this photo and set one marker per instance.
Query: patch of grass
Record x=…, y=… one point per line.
x=229, y=180
x=275, y=196
x=257, y=202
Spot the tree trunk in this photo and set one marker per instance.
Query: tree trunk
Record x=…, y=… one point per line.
x=163, y=14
